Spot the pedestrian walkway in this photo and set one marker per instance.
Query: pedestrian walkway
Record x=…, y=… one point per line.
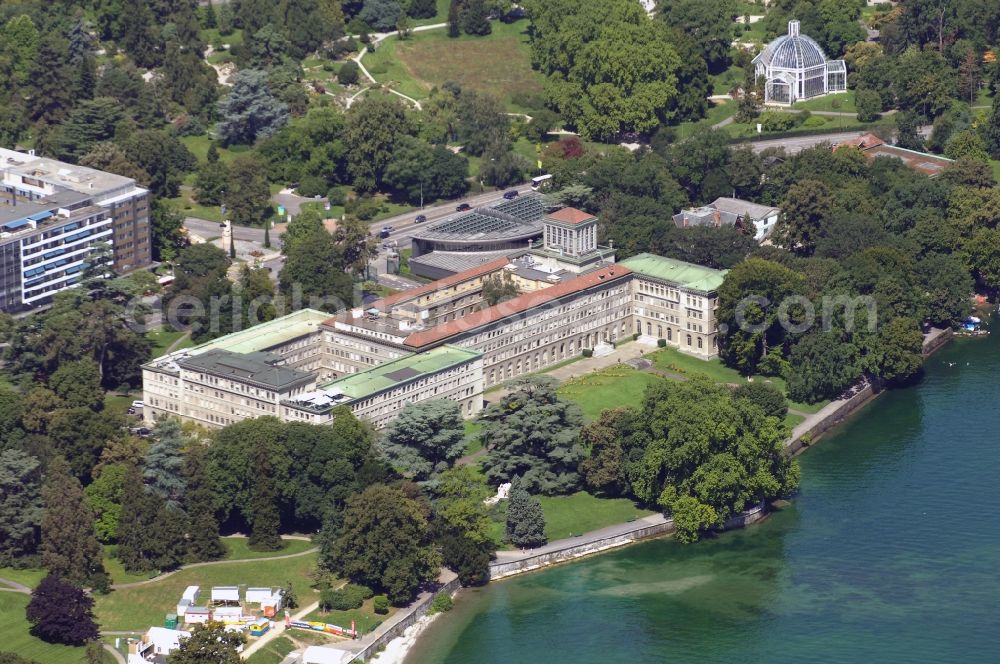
x=586, y=538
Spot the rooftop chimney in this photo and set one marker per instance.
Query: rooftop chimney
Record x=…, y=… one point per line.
x=793, y=28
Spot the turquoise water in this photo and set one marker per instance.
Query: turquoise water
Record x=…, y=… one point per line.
x=891, y=553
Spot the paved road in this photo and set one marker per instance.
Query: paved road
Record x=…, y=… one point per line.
x=585, y=538
x=796, y=144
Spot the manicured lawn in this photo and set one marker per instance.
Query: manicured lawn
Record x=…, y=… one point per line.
x=198, y=145
x=609, y=388
x=724, y=82
x=272, y=653
x=674, y=361
x=568, y=516
x=365, y=618
x=120, y=402
x=27, y=577
x=473, y=442
x=716, y=113
x=163, y=338
x=843, y=102
x=15, y=638
x=139, y=607
x=793, y=420
x=499, y=63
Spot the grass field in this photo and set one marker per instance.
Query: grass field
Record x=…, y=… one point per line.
x=567, y=516
x=139, y=607
x=473, y=443
x=164, y=337
x=609, y=388
x=27, y=577
x=15, y=638
x=843, y=103
x=272, y=653
x=198, y=145
x=499, y=63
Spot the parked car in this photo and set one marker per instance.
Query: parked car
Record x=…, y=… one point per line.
x=142, y=432
x=383, y=234
x=510, y=195
x=137, y=404
x=420, y=218
x=463, y=207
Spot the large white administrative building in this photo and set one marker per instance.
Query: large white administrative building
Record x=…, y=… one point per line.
x=442, y=340
x=794, y=68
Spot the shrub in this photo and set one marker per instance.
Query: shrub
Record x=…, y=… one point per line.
x=814, y=121
x=351, y=596
x=442, y=602
x=776, y=121
x=635, y=337
x=336, y=196
x=380, y=603
x=587, y=352
x=328, y=66
x=661, y=343
x=348, y=74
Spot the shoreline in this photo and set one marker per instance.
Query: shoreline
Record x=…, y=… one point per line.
x=813, y=429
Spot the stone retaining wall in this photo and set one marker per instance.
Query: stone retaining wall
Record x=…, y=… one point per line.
x=415, y=613
x=501, y=570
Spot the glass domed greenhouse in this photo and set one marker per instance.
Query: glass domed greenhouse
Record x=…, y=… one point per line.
x=794, y=67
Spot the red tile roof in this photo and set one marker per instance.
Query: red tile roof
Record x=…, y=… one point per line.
x=864, y=142
x=570, y=216
x=515, y=306
x=413, y=293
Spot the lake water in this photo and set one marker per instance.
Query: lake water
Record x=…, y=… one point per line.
x=890, y=553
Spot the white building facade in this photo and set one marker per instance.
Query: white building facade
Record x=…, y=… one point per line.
x=795, y=68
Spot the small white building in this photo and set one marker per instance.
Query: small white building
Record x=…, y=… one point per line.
x=225, y=594
x=188, y=599
x=157, y=641
x=794, y=68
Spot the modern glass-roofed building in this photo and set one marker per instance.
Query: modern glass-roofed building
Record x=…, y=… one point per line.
x=794, y=68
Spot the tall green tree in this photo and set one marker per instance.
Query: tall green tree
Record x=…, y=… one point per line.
x=163, y=470
x=427, y=438
x=384, y=543
x=533, y=434
x=105, y=496
x=210, y=642
x=250, y=111
x=69, y=547
x=199, y=502
x=525, y=518
x=803, y=214
x=247, y=195
x=20, y=506
x=372, y=131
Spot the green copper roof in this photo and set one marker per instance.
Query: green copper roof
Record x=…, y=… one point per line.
x=687, y=275
x=406, y=369
x=267, y=335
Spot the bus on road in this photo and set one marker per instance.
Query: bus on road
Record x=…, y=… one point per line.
x=541, y=182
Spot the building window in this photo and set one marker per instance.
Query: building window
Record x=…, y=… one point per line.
x=689, y=339
x=700, y=346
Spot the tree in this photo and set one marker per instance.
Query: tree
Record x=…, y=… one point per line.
x=138, y=543
x=422, y=171
x=822, y=367
x=609, y=68
x=163, y=471
x=49, y=79
x=69, y=547
x=947, y=284
x=248, y=195
x=422, y=9
x=482, y=123
x=991, y=131
x=708, y=22
x=20, y=505
x=384, y=543
x=984, y=255
x=427, y=438
x=750, y=301
x=967, y=143
x=110, y=157
x=503, y=168
x=476, y=18
x=525, y=519
x=199, y=502
x=608, y=439
x=373, y=129
x=533, y=434
x=105, y=496
x=60, y=612
x=78, y=384
x=542, y=122
x=210, y=642
x=499, y=288
x=907, y=136
x=348, y=73
x=92, y=121
x=314, y=264
x=250, y=111
x=455, y=19
x=462, y=524
x=162, y=156
x=265, y=520
x=770, y=399
x=380, y=14
x=803, y=214
x=702, y=472
x=894, y=354
x=213, y=175
x=166, y=231
x=869, y=105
